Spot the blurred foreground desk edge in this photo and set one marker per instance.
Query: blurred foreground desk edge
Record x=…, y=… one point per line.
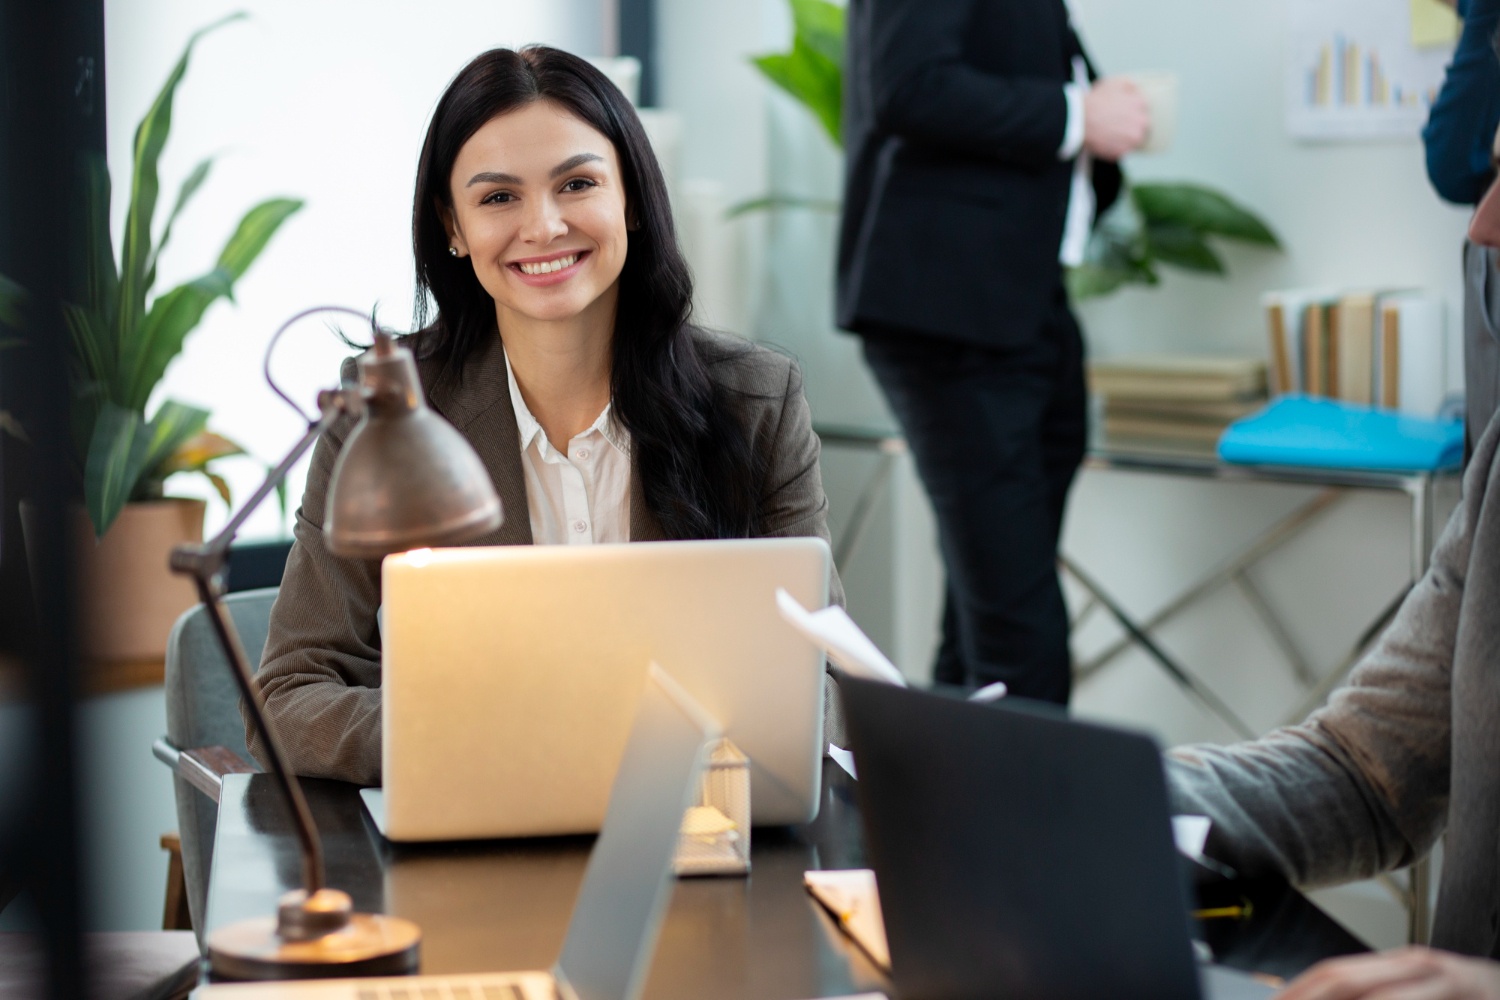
x=497, y=905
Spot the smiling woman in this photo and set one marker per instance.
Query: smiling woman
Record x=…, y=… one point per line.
x=553, y=312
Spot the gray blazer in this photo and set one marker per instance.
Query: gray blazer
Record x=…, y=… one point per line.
x=320, y=673
x=1408, y=749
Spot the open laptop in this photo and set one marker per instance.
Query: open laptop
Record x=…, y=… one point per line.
x=626, y=887
x=1019, y=853
x=510, y=672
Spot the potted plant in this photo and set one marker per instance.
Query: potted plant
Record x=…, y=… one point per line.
x=124, y=336
x=1151, y=224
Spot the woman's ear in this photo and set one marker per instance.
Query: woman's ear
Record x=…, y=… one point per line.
x=456, y=245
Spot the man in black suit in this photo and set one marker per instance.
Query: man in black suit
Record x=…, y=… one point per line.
x=975, y=141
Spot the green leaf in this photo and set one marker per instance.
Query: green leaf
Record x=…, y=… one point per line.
x=1088, y=281
x=136, y=250
x=172, y=317
x=812, y=78
x=820, y=24
x=173, y=426
x=1202, y=209
x=221, y=485
x=100, y=294
x=1184, y=247
x=197, y=451
x=90, y=334
x=116, y=455
x=253, y=233
x=775, y=202
x=13, y=301
x=177, y=313
x=184, y=195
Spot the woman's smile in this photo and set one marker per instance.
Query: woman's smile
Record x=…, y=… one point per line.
x=549, y=270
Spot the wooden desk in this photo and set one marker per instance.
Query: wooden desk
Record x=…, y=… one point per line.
x=497, y=905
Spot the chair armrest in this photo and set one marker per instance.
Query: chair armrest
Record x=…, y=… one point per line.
x=202, y=767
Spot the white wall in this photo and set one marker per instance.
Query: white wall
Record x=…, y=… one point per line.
x=325, y=101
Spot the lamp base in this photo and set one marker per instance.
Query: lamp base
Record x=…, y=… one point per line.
x=371, y=944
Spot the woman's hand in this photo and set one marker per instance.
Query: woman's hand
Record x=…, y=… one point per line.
x=1404, y=974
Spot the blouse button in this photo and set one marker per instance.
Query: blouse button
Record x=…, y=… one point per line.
x=583, y=454
x=580, y=526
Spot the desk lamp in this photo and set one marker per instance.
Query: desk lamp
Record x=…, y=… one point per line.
x=405, y=478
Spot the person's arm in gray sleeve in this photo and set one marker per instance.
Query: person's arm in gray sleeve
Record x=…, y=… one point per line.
x=1362, y=786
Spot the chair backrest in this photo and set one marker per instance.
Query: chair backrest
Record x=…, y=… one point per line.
x=203, y=703
x=203, y=709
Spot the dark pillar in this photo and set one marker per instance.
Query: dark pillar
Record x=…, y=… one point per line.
x=637, y=20
x=51, y=114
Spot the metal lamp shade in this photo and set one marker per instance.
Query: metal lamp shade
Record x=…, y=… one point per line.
x=406, y=478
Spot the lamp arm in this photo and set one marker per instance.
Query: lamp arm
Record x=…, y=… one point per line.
x=332, y=404
x=205, y=564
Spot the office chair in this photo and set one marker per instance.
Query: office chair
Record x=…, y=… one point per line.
x=205, y=735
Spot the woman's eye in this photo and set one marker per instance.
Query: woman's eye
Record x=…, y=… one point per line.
x=499, y=197
x=578, y=184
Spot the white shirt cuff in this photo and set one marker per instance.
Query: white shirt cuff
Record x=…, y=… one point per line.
x=1073, y=133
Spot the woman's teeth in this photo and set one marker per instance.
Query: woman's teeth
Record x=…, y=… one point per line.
x=548, y=266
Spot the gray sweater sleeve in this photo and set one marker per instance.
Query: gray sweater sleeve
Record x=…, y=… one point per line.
x=1362, y=786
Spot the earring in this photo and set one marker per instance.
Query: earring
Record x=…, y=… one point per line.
x=452, y=251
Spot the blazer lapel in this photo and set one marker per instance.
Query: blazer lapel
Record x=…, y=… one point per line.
x=479, y=406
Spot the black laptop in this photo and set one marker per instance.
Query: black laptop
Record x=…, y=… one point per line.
x=1021, y=854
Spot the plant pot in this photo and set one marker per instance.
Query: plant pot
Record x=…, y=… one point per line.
x=128, y=598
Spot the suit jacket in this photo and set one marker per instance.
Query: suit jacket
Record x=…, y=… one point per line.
x=320, y=673
x=955, y=199
x=1409, y=748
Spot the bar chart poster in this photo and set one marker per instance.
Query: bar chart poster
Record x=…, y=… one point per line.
x=1354, y=72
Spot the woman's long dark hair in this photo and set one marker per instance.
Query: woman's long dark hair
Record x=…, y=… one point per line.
x=699, y=475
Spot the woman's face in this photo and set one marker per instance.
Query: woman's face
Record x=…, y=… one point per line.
x=538, y=205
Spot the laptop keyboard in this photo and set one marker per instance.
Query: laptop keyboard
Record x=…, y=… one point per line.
x=444, y=988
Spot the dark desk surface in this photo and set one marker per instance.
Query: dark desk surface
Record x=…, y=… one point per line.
x=499, y=905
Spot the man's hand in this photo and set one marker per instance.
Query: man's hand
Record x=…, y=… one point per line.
x=1405, y=974
x=1116, y=118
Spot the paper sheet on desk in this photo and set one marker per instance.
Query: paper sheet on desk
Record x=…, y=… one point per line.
x=853, y=900
x=834, y=632
x=1190, y=833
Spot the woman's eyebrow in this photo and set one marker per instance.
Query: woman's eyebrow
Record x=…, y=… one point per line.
x=572, y=162
x=490, y=177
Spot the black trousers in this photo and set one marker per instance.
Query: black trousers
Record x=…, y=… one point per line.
x=997, y=435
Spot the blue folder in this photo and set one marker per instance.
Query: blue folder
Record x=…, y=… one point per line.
x=1297, y=430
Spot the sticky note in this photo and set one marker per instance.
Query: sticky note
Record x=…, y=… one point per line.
x=1433, y=24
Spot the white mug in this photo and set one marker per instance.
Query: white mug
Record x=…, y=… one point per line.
x=1159, y=88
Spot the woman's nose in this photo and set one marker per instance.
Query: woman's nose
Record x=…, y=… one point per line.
x=543, y=222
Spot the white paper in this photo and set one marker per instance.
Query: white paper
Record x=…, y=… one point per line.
x=843, y=758
x=834, y=632
x=1190, y=833
x=1352, y=72
x=853, y=898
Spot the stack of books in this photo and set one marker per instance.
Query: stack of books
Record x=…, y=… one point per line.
x=1175, y=401
x=1382, y=349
